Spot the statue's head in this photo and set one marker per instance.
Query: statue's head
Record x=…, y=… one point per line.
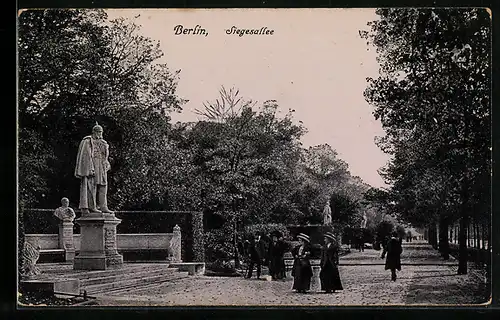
x=65, y=202
x=97, y=131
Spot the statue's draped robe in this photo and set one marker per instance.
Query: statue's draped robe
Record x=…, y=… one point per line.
x=91, y=167
x=327, y=215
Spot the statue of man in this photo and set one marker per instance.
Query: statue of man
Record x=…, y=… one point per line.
x=64, y=212
x=364, y=221
x=327, y=214
x=92, y=166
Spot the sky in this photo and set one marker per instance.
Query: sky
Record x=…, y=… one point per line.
x=314, y=63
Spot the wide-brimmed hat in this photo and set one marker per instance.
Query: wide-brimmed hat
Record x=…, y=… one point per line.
x=330, y=236
x=304, y=237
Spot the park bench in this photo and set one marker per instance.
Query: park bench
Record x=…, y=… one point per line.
x=193, y=268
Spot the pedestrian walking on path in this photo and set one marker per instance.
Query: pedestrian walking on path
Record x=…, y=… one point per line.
x=393, y=260
x=329, y=274
x=302, y=270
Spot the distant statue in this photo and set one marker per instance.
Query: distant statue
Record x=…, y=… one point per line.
x=64, y=212
x=327, y=214
x=363, y=222
x=92, y=166
x=31, y=253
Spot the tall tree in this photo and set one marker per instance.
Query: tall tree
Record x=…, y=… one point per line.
x=433, y=99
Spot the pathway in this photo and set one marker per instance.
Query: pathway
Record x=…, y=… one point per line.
x=424, y=279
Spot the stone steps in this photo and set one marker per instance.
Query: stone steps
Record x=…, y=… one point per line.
x=123, y=291
x=143, y=279
x=68, y=272
x=129, y=278
x=124, y=276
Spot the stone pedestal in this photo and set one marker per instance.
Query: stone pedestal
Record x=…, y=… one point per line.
x=66, y=239
x=315, y=280
x=92, y=255
x=113, y=258
x=98, y=249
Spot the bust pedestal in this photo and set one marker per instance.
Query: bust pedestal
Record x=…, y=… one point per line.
x=97, y=242
x=66, y=239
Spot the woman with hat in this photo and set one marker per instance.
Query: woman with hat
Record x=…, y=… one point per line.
x=329, y=274
x=302, y=271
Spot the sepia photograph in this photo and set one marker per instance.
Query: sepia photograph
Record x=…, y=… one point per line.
x=254, y=157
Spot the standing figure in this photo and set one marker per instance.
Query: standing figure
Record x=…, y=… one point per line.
x=329, y=274
x=393, y=260
x=275, y=256
x=91, y=168
x=255, y=251
x=302, y=270
x=327, y=214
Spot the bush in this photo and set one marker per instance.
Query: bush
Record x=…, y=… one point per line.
x=219, y=244
x=266, y=229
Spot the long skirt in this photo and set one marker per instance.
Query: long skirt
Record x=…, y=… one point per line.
x=330, y=278
x=302, y=273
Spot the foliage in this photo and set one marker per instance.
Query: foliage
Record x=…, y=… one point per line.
x=433, y=99
x=76, y=68
x=219, y=243
x=266, y=229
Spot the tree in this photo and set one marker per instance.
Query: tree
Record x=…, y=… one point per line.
x=76, y=68
x=433, y=99
x=246, y=158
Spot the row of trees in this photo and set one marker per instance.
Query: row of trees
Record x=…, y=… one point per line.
x=433, y=99
x=242, y=163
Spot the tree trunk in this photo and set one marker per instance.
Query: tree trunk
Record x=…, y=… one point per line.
x=462, y=246
x=444, y=245
x=478, y=236
x=483, y=236
x=433, y=235
x=236, y=255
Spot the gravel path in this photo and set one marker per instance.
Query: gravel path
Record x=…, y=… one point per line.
x=424, y=279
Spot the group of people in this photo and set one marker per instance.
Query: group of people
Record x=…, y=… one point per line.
x=258, y=254
x=273, y=256
x=302, y=270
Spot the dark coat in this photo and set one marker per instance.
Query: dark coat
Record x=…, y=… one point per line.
x=302, y=270
x=329, y=274
x=276, y=262
x=393, y=258
x=255, y=250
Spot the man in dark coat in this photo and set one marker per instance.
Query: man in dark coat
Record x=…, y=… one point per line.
x=255, y=252
x=275, y=256
x=393, y=260
x=302, y=270
x=329, y=274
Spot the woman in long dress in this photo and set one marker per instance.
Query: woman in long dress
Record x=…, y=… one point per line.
x=393, y=260
x=302, y=271
x=329, y=274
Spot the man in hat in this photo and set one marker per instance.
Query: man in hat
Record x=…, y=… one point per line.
x=302, y=270
x=256, y=252
x=329, y=274
x=275, y=256
x=91, y=168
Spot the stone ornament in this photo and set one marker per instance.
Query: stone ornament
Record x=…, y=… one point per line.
x=31, y=253
x=64, y=212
